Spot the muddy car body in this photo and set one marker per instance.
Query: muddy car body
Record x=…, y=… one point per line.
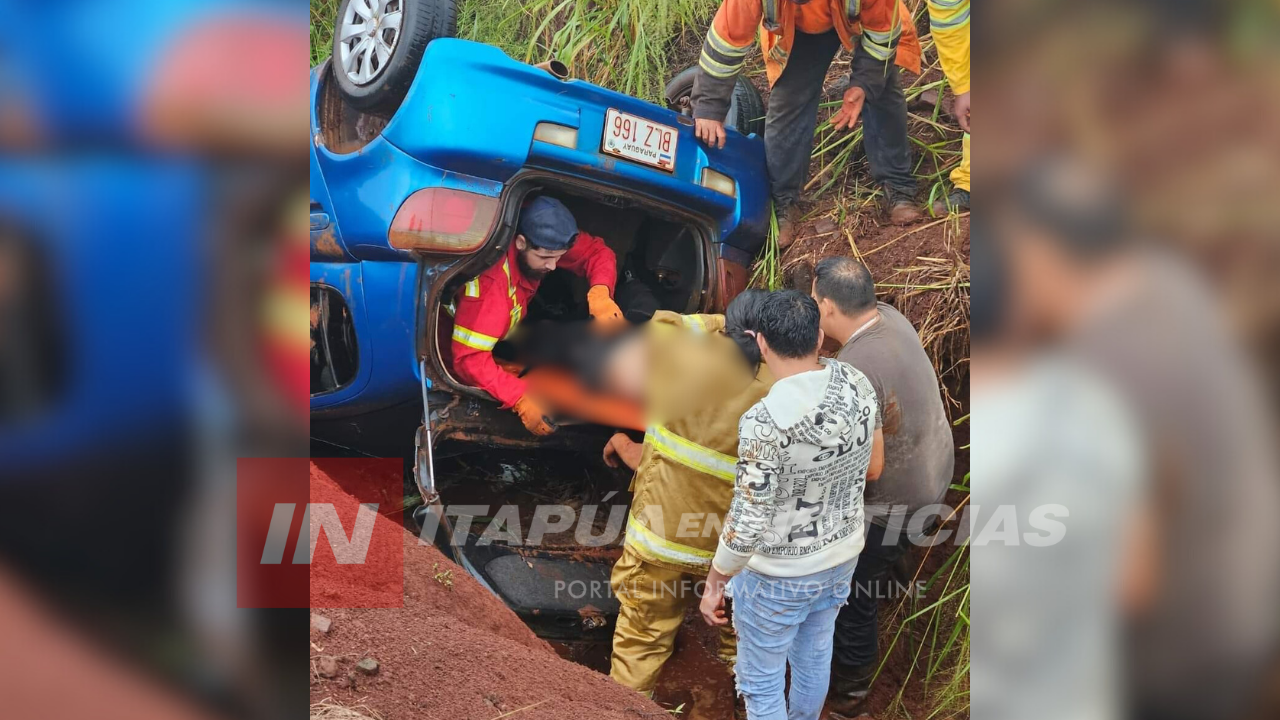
x=475, y=133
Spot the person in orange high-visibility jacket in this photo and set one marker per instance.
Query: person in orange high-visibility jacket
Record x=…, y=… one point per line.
x=949, y=25
x=488, y=307
x=799, y=40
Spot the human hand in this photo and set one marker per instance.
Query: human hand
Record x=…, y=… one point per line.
x=622, y=450
x=850, y=109
x=960, y=108
x=709, y=131
x=602, y=307
x=533, y=417
x=712, y=605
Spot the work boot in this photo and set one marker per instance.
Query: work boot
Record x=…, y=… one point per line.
x=902, y=208
x=788, y=223
x=957, y=201
x=850, y=686
x=798, y=276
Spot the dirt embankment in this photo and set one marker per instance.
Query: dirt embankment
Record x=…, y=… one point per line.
x=453, y=652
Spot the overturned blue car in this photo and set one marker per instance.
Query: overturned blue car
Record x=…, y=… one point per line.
x=422, y=150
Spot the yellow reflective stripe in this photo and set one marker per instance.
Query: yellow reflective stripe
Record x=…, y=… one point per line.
x=691, y=454
x=693, y=322
x=516, y=310
x=716, y=69
x=723, y=47
x=511, y=287
x=882, y=38
x=959, y=20
x=472, y=288
x=660, y=548
x=876, y=51
x=473, y=339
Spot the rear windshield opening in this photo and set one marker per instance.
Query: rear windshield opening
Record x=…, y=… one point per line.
x=660, y=262
x=660, y=258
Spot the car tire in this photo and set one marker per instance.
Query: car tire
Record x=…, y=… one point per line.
x=746, y=107
x=369, y=81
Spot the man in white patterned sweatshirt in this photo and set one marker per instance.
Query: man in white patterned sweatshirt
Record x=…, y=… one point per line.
x=791, y=539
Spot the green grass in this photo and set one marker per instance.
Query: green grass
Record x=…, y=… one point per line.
x=624, y=45
x=631, y=46
x=323, y=14
x=934, y=627
x=767, y=272
x=620, y=44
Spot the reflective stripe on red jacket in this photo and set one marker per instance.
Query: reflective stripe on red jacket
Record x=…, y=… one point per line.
x=488, y=308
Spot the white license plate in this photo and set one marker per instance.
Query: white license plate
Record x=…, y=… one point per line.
x=635, y=138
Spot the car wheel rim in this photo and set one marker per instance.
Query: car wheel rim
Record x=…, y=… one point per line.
x=367, y=37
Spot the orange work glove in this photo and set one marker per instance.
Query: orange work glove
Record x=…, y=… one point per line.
x=531, y=414
x=602, y=307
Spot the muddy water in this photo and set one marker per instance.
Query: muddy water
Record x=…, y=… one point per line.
x=693, y=679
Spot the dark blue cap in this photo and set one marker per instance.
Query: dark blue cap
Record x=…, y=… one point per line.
x=547, y=224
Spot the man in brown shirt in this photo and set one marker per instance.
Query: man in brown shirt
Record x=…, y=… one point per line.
x=919, y=455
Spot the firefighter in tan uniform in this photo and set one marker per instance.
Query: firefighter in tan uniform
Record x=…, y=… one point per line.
x=697, y=385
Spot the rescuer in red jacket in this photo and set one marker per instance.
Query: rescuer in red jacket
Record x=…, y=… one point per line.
x=490, y=306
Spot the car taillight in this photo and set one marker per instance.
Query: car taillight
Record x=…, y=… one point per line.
x=719, y=182
x=228, y=83
x=556, y=134
x=442, y=220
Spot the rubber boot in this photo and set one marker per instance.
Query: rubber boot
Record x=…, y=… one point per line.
x=788, y=223
x=957, y=201
x=850, y=686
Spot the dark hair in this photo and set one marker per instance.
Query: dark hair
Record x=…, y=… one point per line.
x=789, y=323
x=845, y=282
x=1081, y=206
x=743, y=314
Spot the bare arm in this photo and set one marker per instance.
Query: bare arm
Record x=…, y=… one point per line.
x=624, y=450
x=877, y=456
x=1139, y=567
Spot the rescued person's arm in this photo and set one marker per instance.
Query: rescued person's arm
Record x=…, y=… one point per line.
x=622, y=450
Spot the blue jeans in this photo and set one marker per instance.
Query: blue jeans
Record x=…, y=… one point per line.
x=781, y=620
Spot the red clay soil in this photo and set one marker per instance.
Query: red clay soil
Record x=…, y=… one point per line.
x=454, y=652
